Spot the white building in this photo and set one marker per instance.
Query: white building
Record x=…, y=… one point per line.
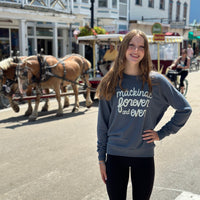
x=172, y=14
x=29, y=25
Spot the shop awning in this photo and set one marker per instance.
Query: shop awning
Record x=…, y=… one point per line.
x=172, y=34
x=192, y=37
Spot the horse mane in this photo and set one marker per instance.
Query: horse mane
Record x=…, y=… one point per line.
x=29, y=58
x=6, y=63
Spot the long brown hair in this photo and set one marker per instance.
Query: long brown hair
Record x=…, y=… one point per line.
x=108, y=84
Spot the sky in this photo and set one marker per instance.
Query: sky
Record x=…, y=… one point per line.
x=195, y=10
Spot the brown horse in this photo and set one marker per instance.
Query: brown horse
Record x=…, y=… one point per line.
x=9, y=84
x=49, y=72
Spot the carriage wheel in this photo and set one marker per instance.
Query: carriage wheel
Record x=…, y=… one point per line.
x=185, y=82
x=186, y=87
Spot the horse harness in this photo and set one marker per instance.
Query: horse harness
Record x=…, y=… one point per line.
x=46, y=72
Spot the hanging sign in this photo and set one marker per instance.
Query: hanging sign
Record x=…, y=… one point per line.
x=158, y=37
x=156, y=28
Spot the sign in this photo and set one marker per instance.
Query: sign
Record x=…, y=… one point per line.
x=179, y=24
x=158, y=37
x=156, y=28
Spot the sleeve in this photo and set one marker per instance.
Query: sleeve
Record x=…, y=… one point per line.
x=174, y=98
x=102, y=128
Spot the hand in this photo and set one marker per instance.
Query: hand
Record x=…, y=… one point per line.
x=151, y=136
x=102, y=167
x=170, y=67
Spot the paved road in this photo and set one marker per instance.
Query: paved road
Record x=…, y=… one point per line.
x=55, y=158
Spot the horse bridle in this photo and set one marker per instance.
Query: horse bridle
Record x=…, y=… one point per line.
x=18, y=71
x=6, y=88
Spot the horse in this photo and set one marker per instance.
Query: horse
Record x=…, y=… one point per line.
x=9, y=84
x=46, y=71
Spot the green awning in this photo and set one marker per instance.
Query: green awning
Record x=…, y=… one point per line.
x=192, y=37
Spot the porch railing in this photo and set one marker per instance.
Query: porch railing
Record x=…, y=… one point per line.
x=58, y=5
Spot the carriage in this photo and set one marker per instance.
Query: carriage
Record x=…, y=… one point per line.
x=163, y=53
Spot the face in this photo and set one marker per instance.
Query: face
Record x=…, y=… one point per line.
x=184, y=54
x=135, y=51
x=111, y=47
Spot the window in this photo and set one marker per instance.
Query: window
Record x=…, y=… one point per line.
x=178, y=6
x=114, y=3
x=30, y=31
x=84, y=1
x=185, y=6
x=4, y=33
x=14, y=41
x=151, y=3
x=123, y=9
x=103, y=3
x=170, y=10
x=44, y=32
x=162, y=4
x=60, y=32
x=138, y=2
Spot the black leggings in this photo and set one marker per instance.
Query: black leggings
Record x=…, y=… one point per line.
x=142, y=177
x=183, y=74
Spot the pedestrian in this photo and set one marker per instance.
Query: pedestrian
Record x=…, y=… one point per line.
x=190, y=51
x=132, y=100
x=182, y=65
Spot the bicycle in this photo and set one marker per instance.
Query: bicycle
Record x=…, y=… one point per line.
x=174, y=77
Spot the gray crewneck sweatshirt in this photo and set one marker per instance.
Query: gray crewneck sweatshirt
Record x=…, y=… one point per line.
x=123, y=119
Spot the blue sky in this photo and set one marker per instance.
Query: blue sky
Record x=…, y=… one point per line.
x=195, y=10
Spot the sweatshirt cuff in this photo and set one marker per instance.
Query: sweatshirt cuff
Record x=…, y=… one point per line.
x=102, y=157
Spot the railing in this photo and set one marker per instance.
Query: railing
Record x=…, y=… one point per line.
x=58, y=5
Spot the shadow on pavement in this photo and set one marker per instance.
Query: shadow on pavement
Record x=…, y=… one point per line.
x=44, y=117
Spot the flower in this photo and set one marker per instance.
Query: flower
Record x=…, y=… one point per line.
x=86, y=30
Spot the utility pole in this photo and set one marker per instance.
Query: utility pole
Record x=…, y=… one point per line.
x=92, y=13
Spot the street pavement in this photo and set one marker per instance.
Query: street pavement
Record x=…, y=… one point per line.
x=55, y=158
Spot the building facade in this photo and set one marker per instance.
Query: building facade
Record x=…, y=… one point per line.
x=172, y=14
x=28, y=26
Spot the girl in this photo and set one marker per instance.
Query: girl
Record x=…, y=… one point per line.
x=133, y=100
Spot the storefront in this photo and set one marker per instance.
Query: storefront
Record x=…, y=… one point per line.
x=9, y=40
x=49, y=37
x=26, y=32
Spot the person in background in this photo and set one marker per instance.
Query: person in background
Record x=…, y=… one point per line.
x=132, y=100
x=190, y=51
x=101, y=52
x=108, y=58
x=182, y=65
